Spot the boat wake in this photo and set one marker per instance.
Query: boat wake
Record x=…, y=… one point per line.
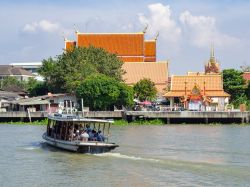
x=119, y=155
x=33, y=146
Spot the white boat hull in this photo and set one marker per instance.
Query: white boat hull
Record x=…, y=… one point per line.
x=78, y=146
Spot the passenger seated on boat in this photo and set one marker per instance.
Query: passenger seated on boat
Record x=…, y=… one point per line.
x=71, y=134
x=77, y=135
x=84, y=136
x=88, y=129
x=92, y=136
x=99, y=136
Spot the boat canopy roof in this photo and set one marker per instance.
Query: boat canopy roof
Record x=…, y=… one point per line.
x=75, y=118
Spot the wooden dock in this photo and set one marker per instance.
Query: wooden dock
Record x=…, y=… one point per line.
x=168, y=116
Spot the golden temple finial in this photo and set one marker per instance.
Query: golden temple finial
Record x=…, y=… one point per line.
x=145, y=29
x=212, y=50
x=75, y=28
x=64, y=37
x=157, y=35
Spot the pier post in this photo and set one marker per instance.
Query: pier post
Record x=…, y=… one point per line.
x=206, y=120
x=247, y=119
x=242, y=119
x=168, y=120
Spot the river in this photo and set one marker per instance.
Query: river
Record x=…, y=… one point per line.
x=170, y=155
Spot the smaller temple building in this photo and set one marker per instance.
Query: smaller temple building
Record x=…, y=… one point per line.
x=199, y=91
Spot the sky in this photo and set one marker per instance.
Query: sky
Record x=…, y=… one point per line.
x=33, y=30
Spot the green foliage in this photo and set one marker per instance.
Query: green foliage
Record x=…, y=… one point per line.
x=101, y=92
x=248, y=90
x=12, y=82
x=145, y=90
x=32, y=86
x=234, y=83
x=36, y=88
x=126, y=96
x=68, y=70
x=242, y=99
x=37, y=122
x=139, y=122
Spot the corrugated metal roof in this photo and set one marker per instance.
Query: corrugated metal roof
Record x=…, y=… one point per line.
x=38, y=98
x=35, y=102
x=8, y=70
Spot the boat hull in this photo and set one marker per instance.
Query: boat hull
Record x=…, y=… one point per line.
x=80, y=147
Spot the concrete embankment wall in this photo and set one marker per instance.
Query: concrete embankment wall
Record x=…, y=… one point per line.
x=169, y=117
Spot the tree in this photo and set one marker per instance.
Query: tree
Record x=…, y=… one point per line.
x=11, y=82
x=101, y=92
x=145, y=89
x=68, y=70
x=234, y=83
x=248, y=90
x=126, y=97
x=36, y=88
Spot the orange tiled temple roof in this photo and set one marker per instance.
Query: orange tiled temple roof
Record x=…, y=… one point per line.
x=129, y=47
x=69, y=45
x=213, y=85
x=150, y=50
x=156, y=72
x=120, y=44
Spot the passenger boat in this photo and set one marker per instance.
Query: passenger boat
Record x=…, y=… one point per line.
x=67, y=132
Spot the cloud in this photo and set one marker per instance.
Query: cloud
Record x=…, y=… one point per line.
x=202, y=30
x=160, y=20
x=44, y=26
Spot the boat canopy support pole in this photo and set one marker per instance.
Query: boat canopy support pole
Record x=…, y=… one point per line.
x=108, y=132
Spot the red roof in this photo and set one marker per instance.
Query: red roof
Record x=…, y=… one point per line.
x=246, y=76
x=69, y=45
x=121, y=44
x=129, y=47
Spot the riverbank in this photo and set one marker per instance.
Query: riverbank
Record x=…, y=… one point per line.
x=118, y=122
x=168, y=117
x=121, y=122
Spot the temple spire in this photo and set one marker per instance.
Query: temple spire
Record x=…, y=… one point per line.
x=64, y=37
x=157, y=35
x=145, y=29
x=76, y=30
x=212, y=51
x=212, y=66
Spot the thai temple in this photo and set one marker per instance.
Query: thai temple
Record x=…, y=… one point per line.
x=137, y=53
x=199, y=91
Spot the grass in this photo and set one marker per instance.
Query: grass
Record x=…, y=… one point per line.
x=37, y=122
x=123, y=122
